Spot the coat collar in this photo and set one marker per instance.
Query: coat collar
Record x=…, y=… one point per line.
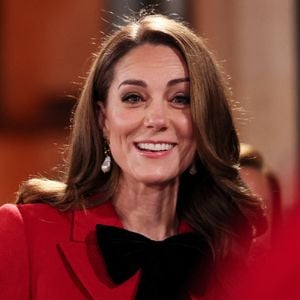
x=83, y=256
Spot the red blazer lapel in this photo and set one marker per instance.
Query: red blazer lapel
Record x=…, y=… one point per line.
x=78, y=258
x=83, y=256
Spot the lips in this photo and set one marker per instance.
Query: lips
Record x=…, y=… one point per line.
x=155, y=147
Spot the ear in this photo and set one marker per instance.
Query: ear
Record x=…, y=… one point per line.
x=102, y=119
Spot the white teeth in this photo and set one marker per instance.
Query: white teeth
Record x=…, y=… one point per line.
x=155, y=147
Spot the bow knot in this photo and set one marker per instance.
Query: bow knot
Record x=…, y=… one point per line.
x=167, y=266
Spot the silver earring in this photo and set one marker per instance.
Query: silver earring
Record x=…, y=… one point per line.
x=193, y=169
x=106, y=165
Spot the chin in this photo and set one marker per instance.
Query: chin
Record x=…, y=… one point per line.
x=154, y=179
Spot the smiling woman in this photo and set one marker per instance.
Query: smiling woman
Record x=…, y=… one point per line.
x=148, y=122
x=151, y=203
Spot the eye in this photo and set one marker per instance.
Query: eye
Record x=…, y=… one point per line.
x=181, y=100
x=131, y=98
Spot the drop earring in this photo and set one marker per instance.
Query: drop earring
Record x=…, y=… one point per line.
x=106, y=165
x=193, y=169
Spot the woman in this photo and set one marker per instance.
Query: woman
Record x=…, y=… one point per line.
x=154, y=151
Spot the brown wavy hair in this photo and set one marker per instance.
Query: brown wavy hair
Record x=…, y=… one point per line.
x=214, y=201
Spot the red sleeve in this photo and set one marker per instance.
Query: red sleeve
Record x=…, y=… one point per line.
x=14, y=266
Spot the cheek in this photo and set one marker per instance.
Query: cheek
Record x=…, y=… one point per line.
x=185, y=127
x=185, y=134
x=120, y=124
x=114, y=120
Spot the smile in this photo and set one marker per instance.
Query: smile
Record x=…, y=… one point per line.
x=155, y=147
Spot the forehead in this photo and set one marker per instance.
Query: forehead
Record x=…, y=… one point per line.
x=151, y=60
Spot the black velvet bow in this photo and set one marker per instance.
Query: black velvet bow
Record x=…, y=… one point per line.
x=167, y=266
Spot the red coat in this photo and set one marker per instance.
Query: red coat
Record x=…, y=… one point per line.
x=47, y=254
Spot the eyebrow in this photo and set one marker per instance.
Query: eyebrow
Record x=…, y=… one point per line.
x=143, y=83
x=178, y=80
x=133, y=82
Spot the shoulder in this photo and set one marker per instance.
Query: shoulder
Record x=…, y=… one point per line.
x=27, y=233
x=8, y=209
x=13, y=213
x=11, y=222
x=31, y=219
x=8, y=213
x=13, y=254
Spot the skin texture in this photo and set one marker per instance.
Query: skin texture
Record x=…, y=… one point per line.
x=148, y=103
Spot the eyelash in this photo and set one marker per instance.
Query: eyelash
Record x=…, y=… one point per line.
x=132, y=98
x=184, y=100
x=177, y=100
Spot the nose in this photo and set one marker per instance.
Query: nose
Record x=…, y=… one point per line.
x=156, y=116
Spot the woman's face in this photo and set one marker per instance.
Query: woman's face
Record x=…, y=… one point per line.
x=146, y=118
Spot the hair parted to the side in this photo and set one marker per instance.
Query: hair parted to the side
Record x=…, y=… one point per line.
x=214, y=201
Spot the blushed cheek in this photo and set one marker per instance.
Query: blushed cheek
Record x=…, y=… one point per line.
x=121, y=118
x=190, y=151
x=186, y=127
x=122, y=125
x=189, y=136
x=114, y=121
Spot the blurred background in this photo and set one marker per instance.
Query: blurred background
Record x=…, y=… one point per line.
x=46, y=50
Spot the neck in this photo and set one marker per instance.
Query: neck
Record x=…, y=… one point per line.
x=148, y=210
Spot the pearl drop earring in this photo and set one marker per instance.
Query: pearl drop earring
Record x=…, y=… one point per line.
x=193, y=169
x=106, y=165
